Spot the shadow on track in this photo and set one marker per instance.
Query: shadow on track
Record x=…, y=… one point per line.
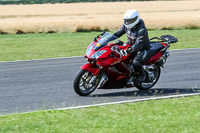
x=151, y=92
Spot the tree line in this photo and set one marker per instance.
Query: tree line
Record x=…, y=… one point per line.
x=4, y=2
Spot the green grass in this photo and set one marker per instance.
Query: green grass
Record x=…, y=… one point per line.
x=40, y=46
x=180, y=115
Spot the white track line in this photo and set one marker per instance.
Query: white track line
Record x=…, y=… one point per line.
x=129, y=101
x=76, y=57
x=112, y=103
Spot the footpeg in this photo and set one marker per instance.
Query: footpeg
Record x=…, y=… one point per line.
x=130, y=82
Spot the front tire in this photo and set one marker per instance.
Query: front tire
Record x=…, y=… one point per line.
x=82, y=85
x=145, y=85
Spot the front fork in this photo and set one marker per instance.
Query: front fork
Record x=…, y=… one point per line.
x=96, y=73
x=103, y=80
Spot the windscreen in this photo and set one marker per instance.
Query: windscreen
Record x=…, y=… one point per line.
x=107, y=37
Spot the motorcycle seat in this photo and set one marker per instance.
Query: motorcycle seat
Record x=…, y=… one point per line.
x=155, y=47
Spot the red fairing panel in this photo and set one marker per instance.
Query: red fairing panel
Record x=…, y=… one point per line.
x=163, y=44
x=107, y=62
x=155, y=58
x=91, y=68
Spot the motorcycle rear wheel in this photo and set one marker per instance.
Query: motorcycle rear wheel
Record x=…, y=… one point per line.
x=82, y=85
x=147, y=85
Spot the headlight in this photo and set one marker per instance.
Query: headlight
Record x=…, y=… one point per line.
x=97, y=54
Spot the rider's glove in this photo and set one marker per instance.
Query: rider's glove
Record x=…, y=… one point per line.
x=125, y=52
x=121, y=51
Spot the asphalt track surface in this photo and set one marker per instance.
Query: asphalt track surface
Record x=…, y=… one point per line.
x=47, y=84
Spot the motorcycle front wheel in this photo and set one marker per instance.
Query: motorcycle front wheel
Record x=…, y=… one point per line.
x=85, y=83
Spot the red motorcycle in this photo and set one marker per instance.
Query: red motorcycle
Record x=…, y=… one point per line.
x=109, y=69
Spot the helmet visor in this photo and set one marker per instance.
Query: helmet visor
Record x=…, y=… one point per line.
x=130, y=21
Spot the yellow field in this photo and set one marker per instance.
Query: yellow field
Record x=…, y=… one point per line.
x=69, y=17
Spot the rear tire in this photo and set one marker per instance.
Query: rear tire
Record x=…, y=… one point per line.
x=147, y=85
x=81, y=83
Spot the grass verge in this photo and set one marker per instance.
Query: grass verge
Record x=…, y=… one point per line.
x=167, y=116
x=40, y=46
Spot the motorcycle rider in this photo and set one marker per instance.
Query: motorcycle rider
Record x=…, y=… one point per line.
x=137, y=34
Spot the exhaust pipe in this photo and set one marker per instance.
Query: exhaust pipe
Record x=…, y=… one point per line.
x=163, y=59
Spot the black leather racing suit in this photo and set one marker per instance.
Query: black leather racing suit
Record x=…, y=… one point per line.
x=139, y=41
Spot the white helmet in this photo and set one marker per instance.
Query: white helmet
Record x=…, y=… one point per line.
x=131, y=18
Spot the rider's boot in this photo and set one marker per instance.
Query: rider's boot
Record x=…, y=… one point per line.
x=142, y=75
x=130, y=82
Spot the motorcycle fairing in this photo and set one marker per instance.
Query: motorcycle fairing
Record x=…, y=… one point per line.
x=91, y=68
x=100, y=43
x=154, y=58
x=154, y=53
